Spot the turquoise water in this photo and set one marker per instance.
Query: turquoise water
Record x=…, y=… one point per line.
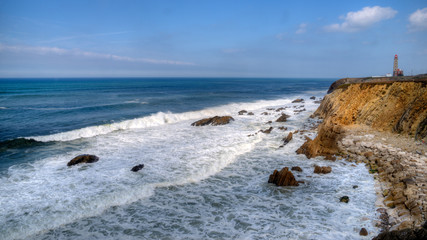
x=197, y=183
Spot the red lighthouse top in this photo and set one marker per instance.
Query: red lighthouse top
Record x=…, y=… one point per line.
x=395, y=56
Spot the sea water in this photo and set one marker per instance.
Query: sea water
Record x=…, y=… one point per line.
x=205, y=182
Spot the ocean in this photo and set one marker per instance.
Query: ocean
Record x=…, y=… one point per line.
x=205, y=182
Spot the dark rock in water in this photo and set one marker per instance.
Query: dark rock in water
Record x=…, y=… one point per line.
x=19, y=143
x=85, y=158
x=283, y=128
x=267, y=131
x=355, y=186
x=296, y=168
x=299, y=110
x=280, y=109
x=268, y=122
x=214, y=121
x=313, y=97
x=242, y=112
x=250, y=113
x=287, y=139
x=344, y=199
x=404, y=234
x=282, y=118
x=137, y=168
x=322, y=170
x=363, y=232
x=283, y=178
x=318, y=101
x=265, y=113
x=298, y=100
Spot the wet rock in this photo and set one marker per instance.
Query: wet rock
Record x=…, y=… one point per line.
x=322, y=170
x=405, y=234
x=287, y=139
x=318, y=101
x=214, y=121
x=363, y=232
x=280, y=109
x=265, y=113
x=355, y=186
x=250, y=113
x=283, y=118
x=300, y=110
x=268, y=122
x=344, y=199
x=313, y=98
x=283, y=128
x=283, y=178
x=137, y=168
x=267, y=131
x=298, y=100
x=242, y=112
x=84, y=158
x=296, y=168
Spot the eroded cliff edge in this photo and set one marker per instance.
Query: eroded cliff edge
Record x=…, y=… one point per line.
x=383, y=124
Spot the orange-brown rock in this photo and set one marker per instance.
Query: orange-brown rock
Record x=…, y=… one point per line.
x=282, y=118
x=287, y=139
x=298, y=100
x=322, y=170
x=267, y=131
x=214, y=121
x=296, y=168
x=399, y=107
x=283, y=178
x=84, y=158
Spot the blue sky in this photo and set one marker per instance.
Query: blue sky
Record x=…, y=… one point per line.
x=211, y=38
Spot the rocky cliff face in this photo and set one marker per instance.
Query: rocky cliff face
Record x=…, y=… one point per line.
x=399, y=107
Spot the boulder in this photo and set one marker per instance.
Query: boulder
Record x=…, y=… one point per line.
x=283, y=178
x=296, y=168
x=287, y=139
x=282, y=118
x=344, y=199
x=137, y=168
x=250, y=113
x=84, y=158
x=242, y=112
x=313, y=98
x=298, y=100
x=280, y=109
x=322, y=170
x=283, y=128
x=214, y=121
x=363, y=232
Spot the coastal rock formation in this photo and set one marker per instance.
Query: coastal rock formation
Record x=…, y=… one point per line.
x=137, y=167
x=404, y=234
x=283, y=118
x=287, y=139
x=84, y=158
x=399, y=107
x=322, y=170
x=214, y=121
x=283, y=178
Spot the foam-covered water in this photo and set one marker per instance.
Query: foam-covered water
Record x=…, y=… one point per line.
x=198, y=182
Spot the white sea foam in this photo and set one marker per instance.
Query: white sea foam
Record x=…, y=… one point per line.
x=160, y=118
x=3, y=107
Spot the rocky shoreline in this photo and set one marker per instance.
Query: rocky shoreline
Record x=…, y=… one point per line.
x=382, y=124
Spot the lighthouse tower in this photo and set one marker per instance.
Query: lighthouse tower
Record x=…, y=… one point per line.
x=396, y=70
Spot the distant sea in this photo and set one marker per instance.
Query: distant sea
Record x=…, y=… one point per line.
x=198, y=182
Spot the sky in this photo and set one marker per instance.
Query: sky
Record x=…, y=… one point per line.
x=200, y=38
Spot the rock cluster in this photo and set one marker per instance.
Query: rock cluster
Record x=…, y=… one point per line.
x=322, y=170
x=84, y=158
x=403, y=176
x=214, y=121
x=283, y=178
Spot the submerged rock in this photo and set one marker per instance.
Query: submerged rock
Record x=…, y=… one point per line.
x=298, y=100
x=322, y=170
x=84, y=158
x=214, y=121
x=137, y=168
x=283, y=178
x=283, y=118
x=242, y=112
x=344, y=199
x=296, y=168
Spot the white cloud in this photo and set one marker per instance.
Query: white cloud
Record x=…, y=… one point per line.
x=357, y=21
x=233, y=50
x=302, y=28
x=418, y=20
x=79, y=53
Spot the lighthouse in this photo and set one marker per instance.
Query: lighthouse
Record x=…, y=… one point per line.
x=396, y=70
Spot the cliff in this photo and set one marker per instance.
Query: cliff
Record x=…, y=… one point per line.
x=398, y=107
x=384, y=125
